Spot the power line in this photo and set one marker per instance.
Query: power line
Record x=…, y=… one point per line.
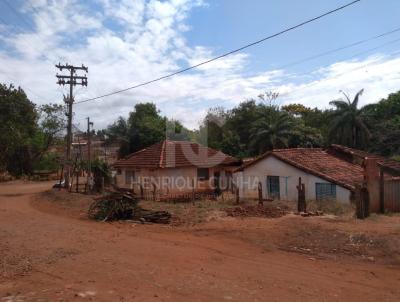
x=341, y=74
x=354, y=55
x=225, y=54
x=340, y=48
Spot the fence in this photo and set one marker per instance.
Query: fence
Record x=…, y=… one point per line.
x=383, y=185
x=391, y=194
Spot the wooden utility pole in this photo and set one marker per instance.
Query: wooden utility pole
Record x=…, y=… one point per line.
x=72, y=80
x=89, y=142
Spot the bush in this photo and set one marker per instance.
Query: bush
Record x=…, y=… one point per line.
x=48, y=162
x=100, y=170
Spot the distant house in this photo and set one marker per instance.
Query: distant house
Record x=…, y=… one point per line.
x=176, y=167
x=327, y=174
x=98, y=149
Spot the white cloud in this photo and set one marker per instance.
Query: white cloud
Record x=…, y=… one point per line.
x=132, y=41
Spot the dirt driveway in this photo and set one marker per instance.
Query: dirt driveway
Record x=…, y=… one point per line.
x=45, y=256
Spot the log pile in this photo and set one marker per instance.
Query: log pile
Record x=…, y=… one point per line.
x=113, y=206
x=124, y=206
x=156, y=217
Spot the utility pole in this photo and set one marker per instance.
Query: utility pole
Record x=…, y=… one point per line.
x=89, y=142
x=72, y=80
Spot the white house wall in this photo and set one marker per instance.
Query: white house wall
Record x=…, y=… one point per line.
x=288, y=177
x=172, y=180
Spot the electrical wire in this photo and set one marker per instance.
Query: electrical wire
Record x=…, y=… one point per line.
x=340, y=74
x=223, y=55
x=340, y=48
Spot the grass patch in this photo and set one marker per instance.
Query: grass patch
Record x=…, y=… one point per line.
x=331, y=207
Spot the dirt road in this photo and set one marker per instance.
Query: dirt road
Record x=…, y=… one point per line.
x=50, y=257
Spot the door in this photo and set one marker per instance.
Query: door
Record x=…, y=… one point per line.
x=273, y=187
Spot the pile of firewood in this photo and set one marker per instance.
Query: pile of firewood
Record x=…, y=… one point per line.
x=155, y=217
x=113, y=206
x=124, y=206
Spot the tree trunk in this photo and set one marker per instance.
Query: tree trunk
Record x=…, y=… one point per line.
x=354, y=136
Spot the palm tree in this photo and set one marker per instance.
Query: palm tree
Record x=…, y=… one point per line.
x=271, y=130
x=347, y=124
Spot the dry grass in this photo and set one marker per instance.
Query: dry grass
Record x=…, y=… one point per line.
x=331, y=207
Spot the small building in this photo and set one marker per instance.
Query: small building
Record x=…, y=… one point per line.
x=176, y=167
x=327, y=174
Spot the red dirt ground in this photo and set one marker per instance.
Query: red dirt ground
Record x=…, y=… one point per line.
x=50, y=252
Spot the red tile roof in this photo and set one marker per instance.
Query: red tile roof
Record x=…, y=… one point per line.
x=320, y=163
x=391, y=166
x=169, y=154
x=352, y=154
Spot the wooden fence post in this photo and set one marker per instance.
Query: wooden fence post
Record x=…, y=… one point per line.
x=260, y=196
x=77, y=183
x=193, y=191
x=237, y=194
x=362, y=202
x=382, y=192
x=141, y=191
x=301, y=201
x=154, y=191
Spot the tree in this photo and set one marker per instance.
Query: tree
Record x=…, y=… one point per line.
x=383, y=118
x=347, y=126
x=272, y=129
x=305, y=136
x=239, y=121
x=18, y=118
x=211, y=131
x=50, y=130
x=144, y=127
x=118, y=132
x=176, y=131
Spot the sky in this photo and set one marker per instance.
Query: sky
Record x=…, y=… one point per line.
x=127, y=42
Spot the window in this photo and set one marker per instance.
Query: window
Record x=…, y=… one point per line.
x=129, y=176
x=325, y=191
x=273, y=187
x=203, y=174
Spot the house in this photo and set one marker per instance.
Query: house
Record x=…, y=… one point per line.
x=176, y=167
x=327, y=174
x=98, y=149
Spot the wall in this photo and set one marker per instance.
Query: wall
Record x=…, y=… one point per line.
x=289, y=177
x=171, y=180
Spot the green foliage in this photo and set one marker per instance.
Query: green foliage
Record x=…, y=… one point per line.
x=118, y=132
x=348, y=125
x=18, y=124
x=27, y=132
x=271, y=130
x=383, y=118
x=48, y=162
x=144, y=127
x=101, y=171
